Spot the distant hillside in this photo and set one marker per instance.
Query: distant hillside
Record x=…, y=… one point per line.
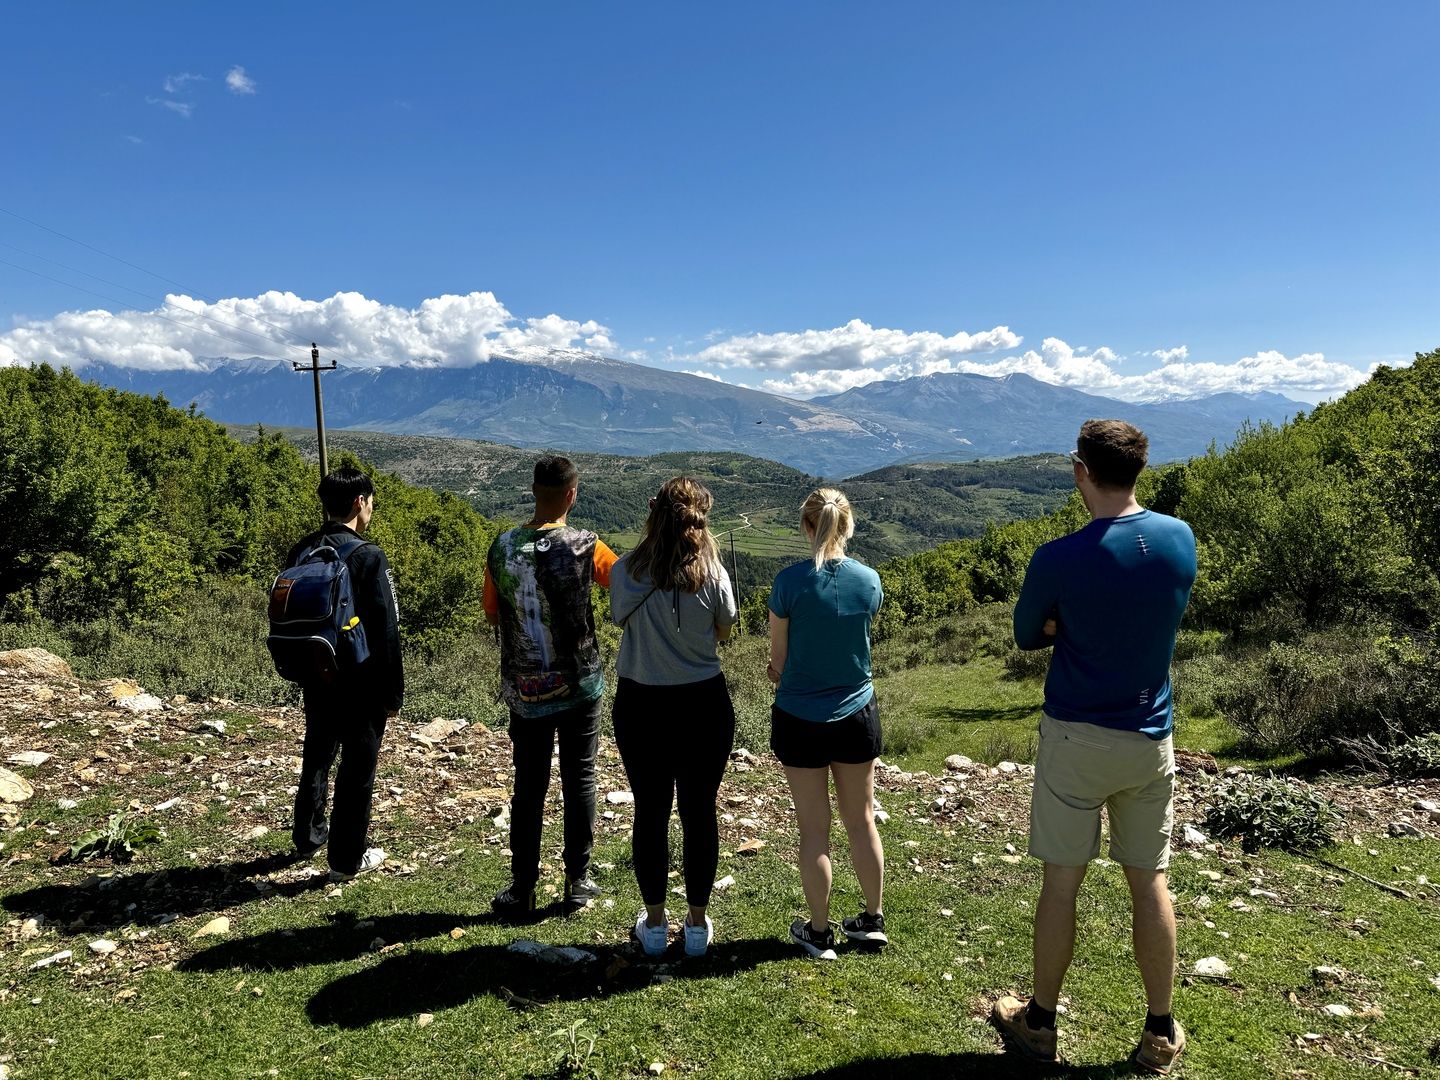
x=901, y=509
x=588, y=403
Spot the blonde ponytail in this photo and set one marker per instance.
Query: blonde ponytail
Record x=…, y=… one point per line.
x=827, y=516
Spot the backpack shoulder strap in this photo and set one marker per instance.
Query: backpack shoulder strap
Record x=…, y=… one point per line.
x=349, y=547
x=625, y=621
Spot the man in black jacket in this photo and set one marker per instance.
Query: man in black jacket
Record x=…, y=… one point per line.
x=349, y=716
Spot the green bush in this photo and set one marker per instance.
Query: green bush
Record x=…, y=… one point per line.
x=1417, y=758
x=1327, y=689
x=1027, y=663
x=1271, y=812
x=1194, y=644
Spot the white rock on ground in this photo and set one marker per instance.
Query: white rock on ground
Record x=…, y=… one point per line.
x=103, y=946
x=619, y=798
x=1212, y=966
x=958, y=762
x=1339, y=1010
x=140, y=703
x=550, y=954
x=29, y=758
x=57, y=958
x=14, y=788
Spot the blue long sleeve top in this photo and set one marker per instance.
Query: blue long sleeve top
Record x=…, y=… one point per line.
x=1117, y=589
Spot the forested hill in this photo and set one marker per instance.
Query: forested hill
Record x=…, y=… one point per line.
x=901, y=509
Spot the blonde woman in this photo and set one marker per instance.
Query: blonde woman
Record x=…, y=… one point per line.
x=674, y=723
x=824, y=721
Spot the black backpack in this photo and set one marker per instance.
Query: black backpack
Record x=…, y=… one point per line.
x=315, y=633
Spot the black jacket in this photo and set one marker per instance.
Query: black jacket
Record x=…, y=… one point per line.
x=380, y=679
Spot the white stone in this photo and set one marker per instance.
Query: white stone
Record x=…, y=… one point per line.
x=881, y=817
x=1212, y=966
x=103, y=946
x=550, y=954
x=1194, y=837
x=58, y=958
x=724, y=883
x=1009, y=768
x=1339, y=1010
x=619, y=798
x=31, y=758
x=66, y=804
x=142, y=703
x=957, y=762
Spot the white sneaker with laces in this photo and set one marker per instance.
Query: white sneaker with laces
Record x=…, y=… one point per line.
x=654, y=940
x=698, y=938
x=371, y=860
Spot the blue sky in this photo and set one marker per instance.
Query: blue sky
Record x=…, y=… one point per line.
x=793, y=195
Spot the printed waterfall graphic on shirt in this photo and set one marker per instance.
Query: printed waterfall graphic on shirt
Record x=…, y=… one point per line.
x=547, y=632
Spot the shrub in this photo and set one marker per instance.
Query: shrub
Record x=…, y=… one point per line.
x=1327, y=690
x=1416, y=758
x=1269, y=811
x=1195, y=683
x=1027, y=664
x=1194, y=644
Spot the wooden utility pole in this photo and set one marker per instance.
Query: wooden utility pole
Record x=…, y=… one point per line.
x=315, y=367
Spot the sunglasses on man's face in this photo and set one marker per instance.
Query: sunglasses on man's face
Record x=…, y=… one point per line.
x=1074, y=456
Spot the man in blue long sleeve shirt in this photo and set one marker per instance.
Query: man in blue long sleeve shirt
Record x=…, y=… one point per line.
x=1109, y=598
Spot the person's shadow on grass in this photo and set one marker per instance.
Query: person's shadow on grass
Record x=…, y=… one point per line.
x=953, y=1066
x=146, y=896
x=408, y=984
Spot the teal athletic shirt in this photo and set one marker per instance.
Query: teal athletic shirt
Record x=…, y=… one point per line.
x=827, y=667
x=1117, y=588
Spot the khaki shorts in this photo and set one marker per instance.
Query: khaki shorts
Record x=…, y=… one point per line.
x=1082, y=767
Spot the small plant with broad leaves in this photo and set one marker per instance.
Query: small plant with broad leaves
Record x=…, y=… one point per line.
x=576, y=1051
x=1270, y=811
x=1416, y=758
x=118, y=840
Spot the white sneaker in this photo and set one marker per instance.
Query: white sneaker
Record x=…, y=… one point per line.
x=371, y=860
x=698, y=938
x=653, y=939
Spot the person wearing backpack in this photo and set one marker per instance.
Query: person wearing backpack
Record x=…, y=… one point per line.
x=537, y=593
x=346, y=709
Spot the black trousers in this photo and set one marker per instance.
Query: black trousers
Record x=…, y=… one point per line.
x=533, y=741
x=675, y=742
x=343, y=725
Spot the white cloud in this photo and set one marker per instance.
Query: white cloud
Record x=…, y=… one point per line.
x=174, y=84
x=857, y=344
x=451, y=331
x=179, y=108
x=1309, y=376
x=135, y=139
x=1179, y=352
x=706, y=375
x=239, y=82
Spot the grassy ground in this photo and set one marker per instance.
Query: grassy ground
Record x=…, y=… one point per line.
x=372, y=980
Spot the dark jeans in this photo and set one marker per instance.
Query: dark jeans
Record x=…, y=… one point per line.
x=533, y=741
x=675, y=742
x=336, y=724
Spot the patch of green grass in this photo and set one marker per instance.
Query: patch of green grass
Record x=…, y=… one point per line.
x=331, y=1003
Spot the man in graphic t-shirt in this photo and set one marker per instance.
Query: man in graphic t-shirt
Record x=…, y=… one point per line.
x=537, y=592
x=1109, y=598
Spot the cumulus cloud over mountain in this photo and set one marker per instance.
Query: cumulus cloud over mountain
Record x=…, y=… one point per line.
x=459, y=331
x=448, y=331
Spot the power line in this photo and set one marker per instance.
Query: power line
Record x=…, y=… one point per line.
x=135, y=266
x=115, y=300
x=163, y=300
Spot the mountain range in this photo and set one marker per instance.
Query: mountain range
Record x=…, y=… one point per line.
x=584, y=402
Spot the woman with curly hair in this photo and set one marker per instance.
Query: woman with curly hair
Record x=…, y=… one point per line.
x=824, y=721
x=674, y=722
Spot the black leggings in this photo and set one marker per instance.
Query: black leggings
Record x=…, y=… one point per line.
x=675, y=742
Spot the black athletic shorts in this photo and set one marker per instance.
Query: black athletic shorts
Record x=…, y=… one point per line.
x=811, y=744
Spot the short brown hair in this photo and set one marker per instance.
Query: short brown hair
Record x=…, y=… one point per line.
x=1113, y=451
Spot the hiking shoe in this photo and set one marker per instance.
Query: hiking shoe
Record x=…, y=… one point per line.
x=698, y=938
x=371, y=860
x=1158, y=1055
x=818, y=943
x=514, y=902
x=581, y=891
x=866, y=928
x=654, y=940
x=1035, y=1044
